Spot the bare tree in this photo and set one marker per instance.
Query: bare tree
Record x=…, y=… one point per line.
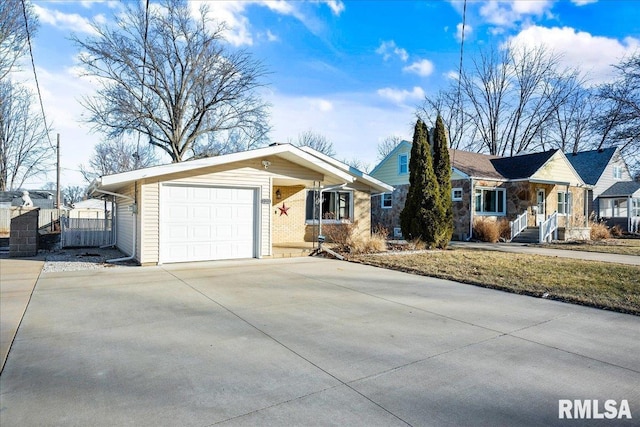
x=171, y=77
x=314, y=140
x=73, y=193
x=24, y=152
x=505, y=101
x=619, y=122
x=117, y=156
x=387, y=145
x=357, y=164
x=571, y=126
x=13, y=32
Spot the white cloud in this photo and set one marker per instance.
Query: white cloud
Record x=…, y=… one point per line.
x=583, y=2
x=510, y=12
x=423, y=68
x=336, y=6
x=468, y=29
x=321, y=105
x=400, y=96
x=451, y=75
x=355, y=124
x=272, y=37
x=389, y=48
x=66, y=21
x=591, y=54
x=231, y=12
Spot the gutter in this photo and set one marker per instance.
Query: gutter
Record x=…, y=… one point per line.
x=135, y=224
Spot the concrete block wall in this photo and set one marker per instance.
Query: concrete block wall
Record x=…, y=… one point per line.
x=23, y=240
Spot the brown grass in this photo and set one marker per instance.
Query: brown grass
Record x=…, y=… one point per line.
x=609, y=246
x=597, y=284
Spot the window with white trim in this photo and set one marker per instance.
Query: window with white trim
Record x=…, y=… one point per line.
x=564, y=203
x=403, y=164
x=617, y=172
x=490, y=201
x=635, y=207
x=456, y=194
x=335, y=205
x=387, y=201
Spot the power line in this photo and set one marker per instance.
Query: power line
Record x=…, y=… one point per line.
x=459, y=100
x=35, y=75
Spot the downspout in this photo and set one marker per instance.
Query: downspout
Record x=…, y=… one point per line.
x=135, y=224
x=471, y=208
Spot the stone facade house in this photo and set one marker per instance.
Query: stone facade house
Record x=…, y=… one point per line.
x=493, y=187
x=614, y=197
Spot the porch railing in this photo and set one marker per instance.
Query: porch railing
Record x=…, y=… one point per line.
x=519, y=224
x=549, y=229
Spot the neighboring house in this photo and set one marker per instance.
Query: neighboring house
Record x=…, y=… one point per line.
x=237, y=205
x=41, y=199
x=485, y=186
x=91, y=208
x=614, y=198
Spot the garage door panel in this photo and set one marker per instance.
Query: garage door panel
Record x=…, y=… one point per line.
x=207, y=223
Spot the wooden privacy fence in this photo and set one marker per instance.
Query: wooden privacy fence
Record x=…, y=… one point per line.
x=85, y=232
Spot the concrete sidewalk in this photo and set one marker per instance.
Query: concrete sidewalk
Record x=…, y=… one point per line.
x=306, y=341
x=562, y=253
x=17, y=280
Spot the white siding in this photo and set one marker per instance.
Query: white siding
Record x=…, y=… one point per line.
x=606, y=179
x=125, y=221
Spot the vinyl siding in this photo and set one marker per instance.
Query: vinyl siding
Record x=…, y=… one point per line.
x=558, y=168
x=387, y=171
x=249, y=174
x=607, y=180
x=125, y=221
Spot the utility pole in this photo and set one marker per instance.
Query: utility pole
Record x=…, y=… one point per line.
x=58, y=173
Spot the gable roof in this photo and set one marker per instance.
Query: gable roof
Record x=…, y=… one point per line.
x=590, y=165
x=477, y=165
x=622, y=189
x=404, y=144
x=308, y=158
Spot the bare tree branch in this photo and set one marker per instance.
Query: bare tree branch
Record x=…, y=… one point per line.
x=181, y=87
x=23, y=151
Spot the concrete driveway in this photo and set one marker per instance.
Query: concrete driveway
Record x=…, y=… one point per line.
x=306, y=341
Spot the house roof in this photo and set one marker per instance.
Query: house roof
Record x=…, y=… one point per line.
x=475, y=165
x=8, y=196
x=590, y=165
x=622, y=189
x=308, y=158
x=91, y=204
x=486, y=166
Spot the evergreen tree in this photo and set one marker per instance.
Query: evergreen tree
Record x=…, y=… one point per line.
x=419, y=218
x=442, y=170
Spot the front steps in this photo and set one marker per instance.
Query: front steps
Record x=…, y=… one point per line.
x=529, y=235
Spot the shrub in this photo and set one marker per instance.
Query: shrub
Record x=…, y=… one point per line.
x=371, y=244
x=486, y=230
x=616, y=231
x=339, y=234
x=599, y=231
x=504, y=229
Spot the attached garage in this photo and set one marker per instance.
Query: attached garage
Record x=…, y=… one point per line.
x=228, y=207
x=199, y=223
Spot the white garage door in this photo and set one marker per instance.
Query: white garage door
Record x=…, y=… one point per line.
x=206, y=223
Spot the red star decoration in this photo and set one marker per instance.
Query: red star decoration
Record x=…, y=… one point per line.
x=284, y=209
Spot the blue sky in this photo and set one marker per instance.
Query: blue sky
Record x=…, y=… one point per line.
x=353, y=71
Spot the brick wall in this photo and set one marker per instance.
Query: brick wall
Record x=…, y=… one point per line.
x=23, y=240
x=289, y=227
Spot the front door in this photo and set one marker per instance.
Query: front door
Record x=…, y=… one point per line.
x=541, y=204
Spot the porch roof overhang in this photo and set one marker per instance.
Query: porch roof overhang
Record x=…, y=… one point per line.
x=550, y=182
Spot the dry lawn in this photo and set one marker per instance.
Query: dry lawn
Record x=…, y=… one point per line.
x=597, y=284
x=611, y=246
